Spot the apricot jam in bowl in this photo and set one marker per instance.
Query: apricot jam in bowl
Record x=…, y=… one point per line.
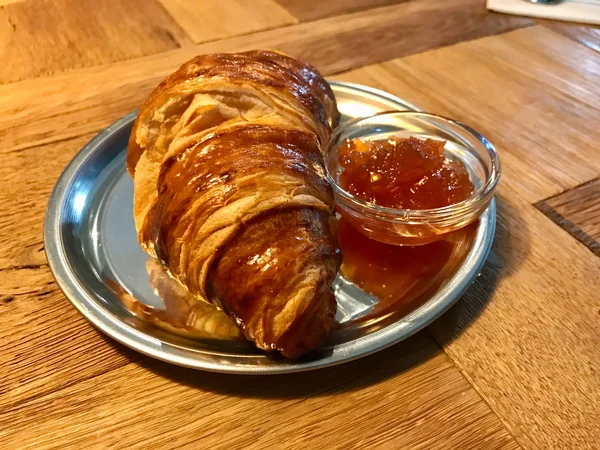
x=409, y=178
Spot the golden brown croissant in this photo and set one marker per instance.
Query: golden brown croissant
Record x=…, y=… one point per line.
x=230, y=192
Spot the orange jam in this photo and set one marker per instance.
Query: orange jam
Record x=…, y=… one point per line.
x=403, y=173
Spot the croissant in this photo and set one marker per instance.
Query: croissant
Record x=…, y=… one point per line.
x=231, y=195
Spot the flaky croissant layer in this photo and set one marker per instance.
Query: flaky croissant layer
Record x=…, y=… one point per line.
x=230, y=192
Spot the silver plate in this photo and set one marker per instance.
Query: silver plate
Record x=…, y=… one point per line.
x=94, y=255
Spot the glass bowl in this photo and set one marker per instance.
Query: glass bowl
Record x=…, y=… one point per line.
x=406, y=226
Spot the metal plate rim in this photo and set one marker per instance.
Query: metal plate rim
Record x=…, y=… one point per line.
x=111, y=325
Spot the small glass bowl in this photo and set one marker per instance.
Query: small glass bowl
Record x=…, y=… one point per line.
x=416, y=227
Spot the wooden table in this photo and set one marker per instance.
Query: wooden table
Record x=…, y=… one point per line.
x=515, y=364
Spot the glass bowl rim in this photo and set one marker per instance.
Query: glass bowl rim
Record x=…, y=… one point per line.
x=481, y=195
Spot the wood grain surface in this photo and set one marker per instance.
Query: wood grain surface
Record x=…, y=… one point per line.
x=492, y=334
x=578, y=212
x=515, y=364
x=25, y=196
x=39, y=37
x=85, y=101
x=208, y=20
x=306, y=11
x=588, y=35
x=526, y=333
x=428, y=402
x=61, y=347
x=88, y=100
x=513, y=101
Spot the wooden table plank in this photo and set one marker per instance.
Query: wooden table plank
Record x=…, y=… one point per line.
x=578, y=212
x=588, y=35
x=525, y=338
x=427, y=403
x=541, y=112
x=208, y=20
x=46, y=344
x=530, y=324
x=48, y=329
x=82, y=101
x=28, y=186
x=527, y=334
x=40, y=38
x=306, y=11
